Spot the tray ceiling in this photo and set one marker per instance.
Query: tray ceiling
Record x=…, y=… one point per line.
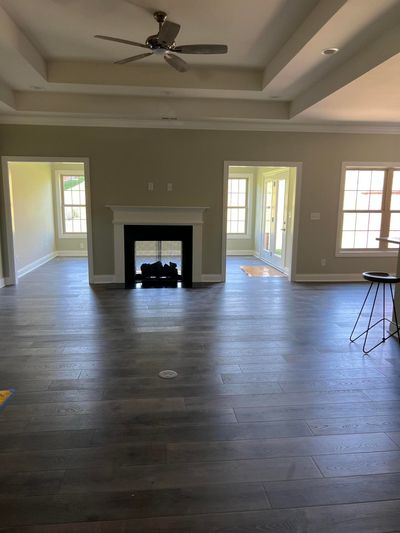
x=274, y=72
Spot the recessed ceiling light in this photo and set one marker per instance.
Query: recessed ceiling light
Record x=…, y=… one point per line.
x=330, y=51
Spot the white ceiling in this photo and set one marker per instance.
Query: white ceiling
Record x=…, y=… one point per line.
x=274, y=72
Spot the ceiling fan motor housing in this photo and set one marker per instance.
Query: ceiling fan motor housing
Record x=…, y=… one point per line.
x=155, y=45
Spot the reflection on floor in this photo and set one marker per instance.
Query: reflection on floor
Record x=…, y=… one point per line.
x=274, y=423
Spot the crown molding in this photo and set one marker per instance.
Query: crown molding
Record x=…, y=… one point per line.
x=228, y=125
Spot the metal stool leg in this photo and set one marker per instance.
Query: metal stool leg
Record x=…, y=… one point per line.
x=395, y=314
x=383, y=313
x=369, y=322
x=359, y=314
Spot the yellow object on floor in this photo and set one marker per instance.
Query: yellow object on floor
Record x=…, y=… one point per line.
x=262, y=272
x=4, y=396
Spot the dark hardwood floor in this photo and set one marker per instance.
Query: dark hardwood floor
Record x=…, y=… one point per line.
x=274, y=424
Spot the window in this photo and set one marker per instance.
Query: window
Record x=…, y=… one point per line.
x=73, y=203
x=237, y=206
x=370, y=209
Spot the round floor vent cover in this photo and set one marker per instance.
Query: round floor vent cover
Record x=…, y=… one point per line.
x=168, y=374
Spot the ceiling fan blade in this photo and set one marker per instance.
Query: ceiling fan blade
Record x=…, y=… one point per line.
x=176, y=62
x=202, y=49
x=117, y=40
x=168, y=32
x=132, y=58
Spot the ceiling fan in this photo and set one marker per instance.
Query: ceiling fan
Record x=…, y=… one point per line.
x=164, y=44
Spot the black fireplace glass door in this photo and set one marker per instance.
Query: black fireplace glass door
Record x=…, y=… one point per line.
x=158, y=255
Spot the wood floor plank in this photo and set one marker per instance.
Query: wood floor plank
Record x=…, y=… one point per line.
x=333, y=491
x=301, y=376
x=359, y=464
x=361, y=424
x=283, y=447
x=278, y=399
x=184, y=475
x=306, y=412
x=201, y=433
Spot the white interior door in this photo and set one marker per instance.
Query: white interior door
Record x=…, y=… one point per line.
x=274, y=221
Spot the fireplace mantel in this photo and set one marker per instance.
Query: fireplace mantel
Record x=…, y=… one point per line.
x=157, y=215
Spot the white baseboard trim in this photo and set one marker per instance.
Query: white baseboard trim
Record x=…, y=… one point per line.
x=103, y=278
x=35, y=264
x=43, y=260
x=110, y=278
x=241, y=252
x=212, y=278
x=329, y=278
x=71, y=253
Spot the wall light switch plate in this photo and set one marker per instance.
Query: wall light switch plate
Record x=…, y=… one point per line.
x=150, y=186
x=169, y=187
x=315, y=216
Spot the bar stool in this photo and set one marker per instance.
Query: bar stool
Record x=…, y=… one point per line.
x=384, y=279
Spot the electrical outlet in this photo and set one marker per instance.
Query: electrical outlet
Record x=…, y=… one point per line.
x=323, y=262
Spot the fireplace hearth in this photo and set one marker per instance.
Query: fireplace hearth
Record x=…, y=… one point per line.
x=158, y=256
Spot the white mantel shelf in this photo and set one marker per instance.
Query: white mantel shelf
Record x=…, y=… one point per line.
x=157, y=216
x=131, y=214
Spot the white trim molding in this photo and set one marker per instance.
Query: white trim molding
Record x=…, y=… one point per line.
x=241, y=252
x=223, y=125
x=35, y=264
x=102, y=279
x=2, y=283
x=157, y=216
x=72, y=253
x=212, y=278
x=329, y=278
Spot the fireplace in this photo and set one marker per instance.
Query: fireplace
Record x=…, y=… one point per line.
x=158, y=216
x=158, y=256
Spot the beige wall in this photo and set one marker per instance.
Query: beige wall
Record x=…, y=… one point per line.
x=123, y=160
x=65, y=243
x=31, y=185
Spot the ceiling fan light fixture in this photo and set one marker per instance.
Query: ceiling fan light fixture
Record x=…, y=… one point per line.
x=330, y=51
x=158, y=51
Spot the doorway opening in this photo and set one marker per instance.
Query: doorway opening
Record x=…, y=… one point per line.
x=47, y=213
x=261, y=212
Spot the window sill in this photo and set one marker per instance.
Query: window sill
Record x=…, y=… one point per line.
x=367, y=253
x=237, y=236
x=72, y=236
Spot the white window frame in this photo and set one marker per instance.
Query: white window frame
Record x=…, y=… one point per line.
x=382, y=251
x=59, y=203
x=249, y=205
